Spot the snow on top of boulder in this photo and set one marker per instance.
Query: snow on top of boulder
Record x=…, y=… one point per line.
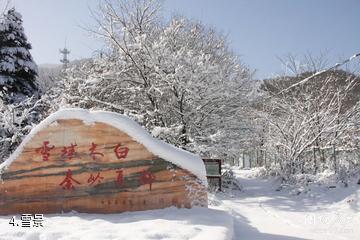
x=179, y=157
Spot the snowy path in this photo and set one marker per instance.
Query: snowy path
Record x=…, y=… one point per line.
x=260, y=213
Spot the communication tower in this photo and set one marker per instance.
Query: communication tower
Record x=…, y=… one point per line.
x=65, y=52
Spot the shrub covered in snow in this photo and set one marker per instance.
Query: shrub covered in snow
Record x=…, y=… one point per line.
x=16, y=120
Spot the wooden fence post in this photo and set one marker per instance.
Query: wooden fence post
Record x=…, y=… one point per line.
x=334, y=156
x=265, y=158
x=250, y=161
x=243, y=160
x=257, y=158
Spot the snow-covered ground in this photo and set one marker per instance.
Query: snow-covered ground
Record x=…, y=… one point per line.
x=170, y=223
x=322, y=213
x=257, y=212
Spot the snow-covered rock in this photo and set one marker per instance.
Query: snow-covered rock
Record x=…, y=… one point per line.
x=179, y=157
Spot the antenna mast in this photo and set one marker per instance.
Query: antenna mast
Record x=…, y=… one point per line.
x=65, y=52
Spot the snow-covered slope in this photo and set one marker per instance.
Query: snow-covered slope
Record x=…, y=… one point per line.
x=177, y=156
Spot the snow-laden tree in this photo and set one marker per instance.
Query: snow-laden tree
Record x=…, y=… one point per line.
x=17, y=119
x=18, y=71
x=177, y=78
x=49, y=76
x=308, y=120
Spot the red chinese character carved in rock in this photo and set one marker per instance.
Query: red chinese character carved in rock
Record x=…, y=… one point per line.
x=121, y=152
x=45, y=150
x=69, y=151
x=92, y=179
x=93, y=152
x=67, y=183
x=147, y=178
x=120, y=177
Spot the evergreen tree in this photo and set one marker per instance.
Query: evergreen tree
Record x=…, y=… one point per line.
x=18, y=71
